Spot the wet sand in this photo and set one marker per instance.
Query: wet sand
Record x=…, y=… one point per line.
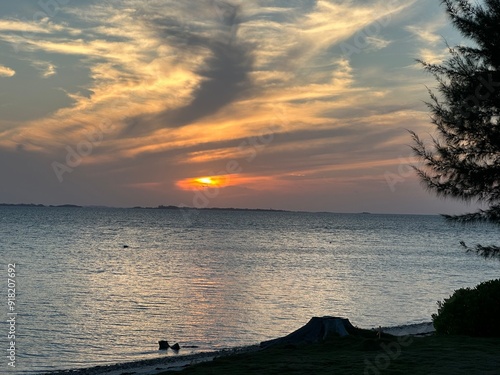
x=154, y=366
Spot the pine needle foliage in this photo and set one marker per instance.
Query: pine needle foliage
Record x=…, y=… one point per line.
x=463, y=159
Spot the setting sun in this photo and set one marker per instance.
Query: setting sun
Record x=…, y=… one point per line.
x=204, y=182
x=254, y=183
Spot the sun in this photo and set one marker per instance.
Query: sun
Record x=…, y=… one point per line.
x=206, y=181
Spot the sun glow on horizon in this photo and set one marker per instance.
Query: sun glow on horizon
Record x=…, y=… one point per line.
x=204, y=182
x=208, y=181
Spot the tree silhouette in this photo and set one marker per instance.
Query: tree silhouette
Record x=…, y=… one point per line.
x=463, y=160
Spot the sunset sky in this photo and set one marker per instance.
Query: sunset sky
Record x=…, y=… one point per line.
x=285, y=104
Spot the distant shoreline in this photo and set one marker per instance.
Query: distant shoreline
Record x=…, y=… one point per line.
x=234, y=209
x=160, y=207
x=39, y=205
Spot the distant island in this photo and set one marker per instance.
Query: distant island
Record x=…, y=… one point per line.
x=38, y=205
x=160, y=207
x=170, y=207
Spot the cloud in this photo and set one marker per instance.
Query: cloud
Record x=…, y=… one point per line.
x=159, y=66
x=432, y=56
x=377, y=43
x=47, y=69
x=424, y=34
x=224, y=76
x=429, y=39
x=6, y=71
x=23, y=26
x=427, y=33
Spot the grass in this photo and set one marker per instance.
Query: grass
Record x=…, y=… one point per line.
x=365, y=354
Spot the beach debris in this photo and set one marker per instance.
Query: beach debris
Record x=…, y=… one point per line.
x=317, y=329
x=163, y=345
x=175, y=347
x=379, y=332
x=125, y=246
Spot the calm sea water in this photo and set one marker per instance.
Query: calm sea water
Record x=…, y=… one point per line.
x=216, y=279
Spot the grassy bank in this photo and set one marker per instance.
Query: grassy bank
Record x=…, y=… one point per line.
x=366, y=355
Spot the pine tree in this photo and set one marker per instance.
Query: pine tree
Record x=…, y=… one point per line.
x=463, y=160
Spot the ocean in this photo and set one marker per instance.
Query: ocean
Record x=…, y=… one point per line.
x=97, y=286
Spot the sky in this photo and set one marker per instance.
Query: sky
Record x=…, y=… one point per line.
x=296, y=104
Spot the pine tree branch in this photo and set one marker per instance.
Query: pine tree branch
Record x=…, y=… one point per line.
x=486, y=252
x=491, y=215
x=463, y=160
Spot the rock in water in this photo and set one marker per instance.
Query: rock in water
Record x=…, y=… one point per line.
x=163, y=345
x=317, y=329
x=175, y=347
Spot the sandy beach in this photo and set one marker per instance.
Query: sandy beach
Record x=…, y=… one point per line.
x=155, y=366
x=364, y=351
x=159, y=365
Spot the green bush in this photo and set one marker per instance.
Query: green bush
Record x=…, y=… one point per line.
x=472, y=312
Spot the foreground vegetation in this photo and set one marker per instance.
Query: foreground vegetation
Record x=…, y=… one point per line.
x=366, y=355
x=471, y=312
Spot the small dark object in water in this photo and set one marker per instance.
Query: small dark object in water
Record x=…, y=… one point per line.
x=163, y=345
x=175, y=347
x=125, y=246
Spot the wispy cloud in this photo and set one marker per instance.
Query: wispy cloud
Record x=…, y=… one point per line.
x=6, y=71
x=429, y=37
x=24, y=26
x=161, y=74
x=427, y=33
x=47, y=69
x=377, y=43
x=433, y=56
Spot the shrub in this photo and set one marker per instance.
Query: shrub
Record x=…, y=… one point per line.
x=472, y=312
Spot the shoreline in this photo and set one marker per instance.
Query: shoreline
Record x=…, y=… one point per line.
x=155, y=365
x=158, y=365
